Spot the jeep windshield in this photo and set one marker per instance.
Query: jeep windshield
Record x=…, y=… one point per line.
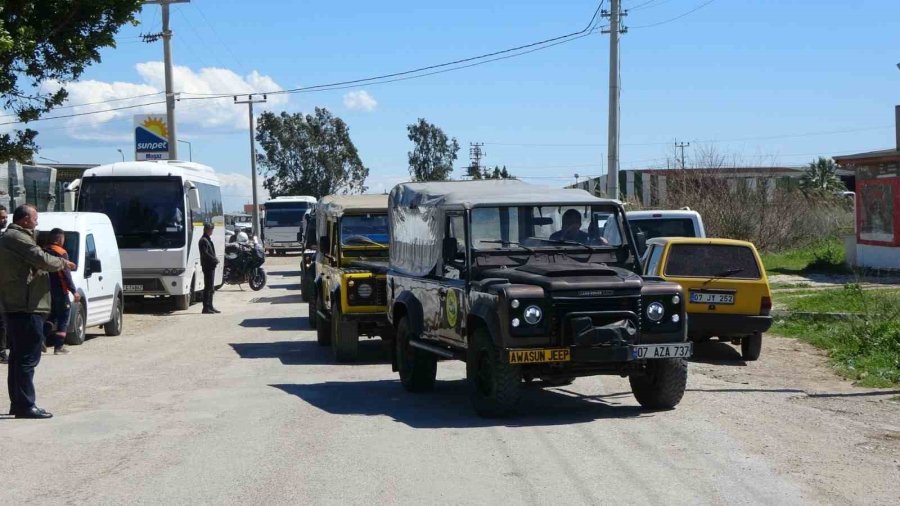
x=364, y=230
x=577, y=228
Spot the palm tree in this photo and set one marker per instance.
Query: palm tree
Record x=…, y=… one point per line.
x=821, y=175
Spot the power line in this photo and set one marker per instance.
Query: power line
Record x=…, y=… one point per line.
x=84, y=113
x=676, y=18
x=94, y=103
x=585, y=31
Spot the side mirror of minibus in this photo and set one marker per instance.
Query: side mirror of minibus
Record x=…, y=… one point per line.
x=70, y=195
x=194, y=198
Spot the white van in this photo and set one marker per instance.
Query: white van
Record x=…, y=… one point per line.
x=665, y=223
x=91, y=244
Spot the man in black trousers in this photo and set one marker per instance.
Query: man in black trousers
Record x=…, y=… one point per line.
x=25, y=297
x=208, y=262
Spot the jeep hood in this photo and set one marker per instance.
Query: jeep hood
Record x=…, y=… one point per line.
x=556, y=276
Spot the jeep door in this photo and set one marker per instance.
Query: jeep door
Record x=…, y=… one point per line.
x=454, y=271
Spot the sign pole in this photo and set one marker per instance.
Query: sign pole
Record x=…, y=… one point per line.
x=250, y=101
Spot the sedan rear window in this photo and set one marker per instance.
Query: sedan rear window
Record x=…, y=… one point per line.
x=712, y=260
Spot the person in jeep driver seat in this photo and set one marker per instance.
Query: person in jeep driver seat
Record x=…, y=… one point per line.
x=571, y=228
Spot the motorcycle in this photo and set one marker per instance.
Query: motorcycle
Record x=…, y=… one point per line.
x=243, y=264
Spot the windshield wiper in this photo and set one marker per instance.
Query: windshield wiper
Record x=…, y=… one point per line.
x=364, y=240
x=505, y=243
x=566, y=242
x=723, y=274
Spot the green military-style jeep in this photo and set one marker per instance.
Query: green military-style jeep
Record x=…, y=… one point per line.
x=349, y=296
x=522, y=283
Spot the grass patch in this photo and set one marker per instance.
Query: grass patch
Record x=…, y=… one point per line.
x=823, y=257
x=865, y=348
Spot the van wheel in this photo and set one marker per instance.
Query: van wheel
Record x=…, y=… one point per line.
x=114, y=326
x=662, y=384
x=344, y=347
x=76, y=336
x=417, y=368
x=751, y=347
x=494, y=385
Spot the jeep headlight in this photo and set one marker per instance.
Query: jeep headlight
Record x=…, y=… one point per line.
x=532, y=315
x=656, y=311
x=364, y=290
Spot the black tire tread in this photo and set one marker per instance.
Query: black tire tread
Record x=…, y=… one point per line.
x=423, y=367
x=663, y=385
x=344, y=348
x=751, y=347
x=507, y=380
x=114, y=326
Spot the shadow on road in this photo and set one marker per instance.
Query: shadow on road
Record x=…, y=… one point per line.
x=159, y=306
x=281, y=299
x=286, y=286
x=814, y=395
x=283, y=323
x=284, y=273
x=448, y=406
x=717, y=353
x=371, y=351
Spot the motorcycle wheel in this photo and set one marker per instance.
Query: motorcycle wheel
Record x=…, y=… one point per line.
x=257, y=279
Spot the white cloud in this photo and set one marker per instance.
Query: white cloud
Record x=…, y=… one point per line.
x=360, y=101
x=237, y=190
x=219, y=114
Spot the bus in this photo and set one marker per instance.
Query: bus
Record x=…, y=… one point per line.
x=157, y=209
x=283, y=219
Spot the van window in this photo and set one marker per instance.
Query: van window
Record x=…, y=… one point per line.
x=71, y=243
x=652, y=267
x=673, y=227
x=90, y=249
x=708, y=260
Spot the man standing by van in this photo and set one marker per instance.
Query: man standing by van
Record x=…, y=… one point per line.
x=208, y=262
x=25, y=296
x=4, y=358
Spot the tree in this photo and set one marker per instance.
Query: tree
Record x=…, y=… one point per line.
x=497, y=173
x=45, y=44
x=308, y=155
x=821, y=175
x=432, y=157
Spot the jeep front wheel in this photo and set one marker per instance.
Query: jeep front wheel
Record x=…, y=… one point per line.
x=344, y=344
x=662, y=384
x=417, y=368
x=323, y=330
x=494, y=384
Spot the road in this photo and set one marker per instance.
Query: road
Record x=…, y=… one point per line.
x=244, y=407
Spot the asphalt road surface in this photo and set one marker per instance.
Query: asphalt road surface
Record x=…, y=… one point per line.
x=245, y=408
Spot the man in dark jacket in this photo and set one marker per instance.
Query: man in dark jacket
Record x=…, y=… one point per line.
x=4, y=216
x=208, y=262
x=25, y=297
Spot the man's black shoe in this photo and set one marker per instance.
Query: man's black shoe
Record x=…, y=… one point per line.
x=214, y=310
x=34, y=413
x=209, y=311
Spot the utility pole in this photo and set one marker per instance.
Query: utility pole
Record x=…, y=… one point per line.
x=250, y=101
x=612, y=174
x=681, y=145
x=167, y=59
x=475, y=155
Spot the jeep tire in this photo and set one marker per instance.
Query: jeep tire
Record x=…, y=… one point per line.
x=311, y=309
x=323, y=330
x=495, y=386
x=751, y=346
x=417, y=368
x=344, y=345
x=662, y=384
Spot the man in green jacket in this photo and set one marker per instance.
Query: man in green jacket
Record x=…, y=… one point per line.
x=25, y=298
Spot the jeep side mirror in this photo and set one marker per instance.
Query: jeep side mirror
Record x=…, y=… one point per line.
x=640, y=238
x=449, y=248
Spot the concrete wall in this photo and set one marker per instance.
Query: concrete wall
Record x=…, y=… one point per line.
x=877, y=257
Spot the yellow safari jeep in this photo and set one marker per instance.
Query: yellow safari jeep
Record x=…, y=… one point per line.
x=725, y=284
x=350, y=293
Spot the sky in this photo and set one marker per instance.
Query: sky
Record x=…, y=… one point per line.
x=775, y=82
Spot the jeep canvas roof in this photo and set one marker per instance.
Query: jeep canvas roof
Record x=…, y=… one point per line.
x=337, y=205
x=504, y=192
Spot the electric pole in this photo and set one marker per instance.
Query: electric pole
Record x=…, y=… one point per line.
x=681, y=145
x=475, y=155
x=167, y=59
x=250, y=101
x=612, y=174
